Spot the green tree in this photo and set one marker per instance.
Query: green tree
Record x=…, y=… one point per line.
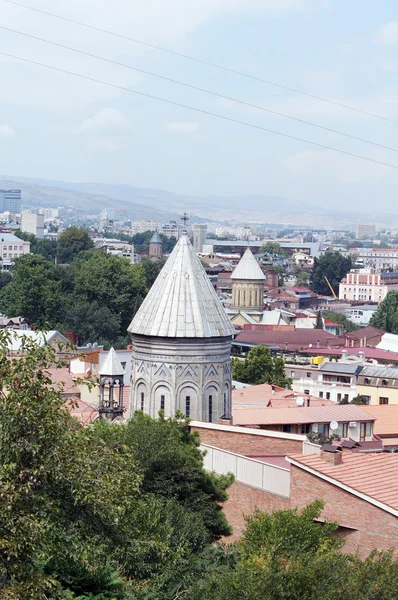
x=260, y=367
x=341, y=319
x=272, y=248
x=359, y=399
x=332, y=265
x=71, y=242
x=319, y=321
x=46, y=247
x=302, y=278
x=34, y=292
x=288, y=555
x=386, y=316
x=152, y=269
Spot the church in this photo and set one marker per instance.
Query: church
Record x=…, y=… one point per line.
x=181, y=338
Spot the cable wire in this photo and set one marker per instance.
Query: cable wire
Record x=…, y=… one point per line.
x=199, y=89
x=198, y=110
x=203, y=62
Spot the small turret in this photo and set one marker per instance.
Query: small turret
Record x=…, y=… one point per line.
x=111, y=387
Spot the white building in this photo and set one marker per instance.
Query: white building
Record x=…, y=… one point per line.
x=181, y=338
x=144, y=225
x=365, y=230
x=32, y=223
x=11, y=248
x=380, y=259
x=199, y=231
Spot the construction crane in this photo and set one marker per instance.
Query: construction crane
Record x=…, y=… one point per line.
x=331, y=289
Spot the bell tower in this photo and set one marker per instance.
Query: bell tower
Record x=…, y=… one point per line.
x=111, y=388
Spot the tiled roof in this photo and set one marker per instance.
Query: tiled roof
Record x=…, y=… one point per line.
x=85, y=413
x=375, y=475
x=295, y=339
x=364, y=332
x=156, y=239
x=368, y=352
x=182, y=302
x=61, y=377
x=380, y=371
x=243, y=415
x=260, y=395
x=248, y=268
x=386, y=416
x=333, y=367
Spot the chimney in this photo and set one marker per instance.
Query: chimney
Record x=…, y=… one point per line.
x=331, y=454
x=226, y=420
x=344, y=354
x=308, y=400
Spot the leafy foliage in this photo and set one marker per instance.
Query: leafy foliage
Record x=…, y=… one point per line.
x=272, y=248
x=332, y=265
x=261, y=367
x=71, y=242
x=386, y=316
x=319, y=322
x=341, y=319
x=359, y=399
x=46, y=248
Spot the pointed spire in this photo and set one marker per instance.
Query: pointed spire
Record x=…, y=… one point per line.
x=182, y=302
x=111, y=365
x=156, y=239
x=248, y=268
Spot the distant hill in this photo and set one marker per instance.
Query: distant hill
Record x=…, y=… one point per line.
x=146, y=203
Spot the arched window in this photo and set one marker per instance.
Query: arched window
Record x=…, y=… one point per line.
x=384, y=382
x=367, y=381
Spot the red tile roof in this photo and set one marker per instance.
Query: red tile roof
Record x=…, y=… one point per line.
x=260, y=395
x=369, y=353
x=295, y=339
x=386, y=418
x=375, y=475
x=85, y=413
x=243, y=415
x=61, y=377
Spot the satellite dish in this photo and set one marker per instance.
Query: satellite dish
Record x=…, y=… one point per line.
x=300, y=401
x=334, y=425
x=309, y=345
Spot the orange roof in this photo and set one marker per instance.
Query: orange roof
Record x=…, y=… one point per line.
x=386, y=418
x=85, y=413
x=62, y=376
x=260, y=395
x=390, y=442
x=243, y=415
x=375, y=475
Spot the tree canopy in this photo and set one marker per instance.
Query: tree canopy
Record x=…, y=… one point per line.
x=272, y=248
x=332, y=265
x=261, y=367
x=341, y=319
x=386, y=316
x=71, y=242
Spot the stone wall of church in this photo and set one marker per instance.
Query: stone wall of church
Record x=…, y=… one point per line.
x=248, y=295
x=189, y=375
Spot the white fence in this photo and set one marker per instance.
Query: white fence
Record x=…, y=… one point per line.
x=250, y=471
x=310, y=448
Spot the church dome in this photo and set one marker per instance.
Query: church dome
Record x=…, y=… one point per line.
x=248, y=269
x=156, y=239
x=182, y=302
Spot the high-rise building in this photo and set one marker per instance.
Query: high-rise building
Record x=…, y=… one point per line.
x=199, y=236
x=365, y=230
x=10, y=201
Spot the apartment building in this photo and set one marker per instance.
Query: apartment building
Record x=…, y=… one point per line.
x=11, y=248
x=379, y=384
x=365, y=230
x=10, y=201
x=331, y=381
x=379, y=259
x=366, y=285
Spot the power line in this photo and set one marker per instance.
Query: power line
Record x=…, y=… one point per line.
x=200, y=89
x=199, y=110
x=203, y=62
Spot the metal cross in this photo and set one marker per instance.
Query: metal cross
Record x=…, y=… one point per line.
x=185, y=220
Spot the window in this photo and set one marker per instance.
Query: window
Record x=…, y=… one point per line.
x=10, y=247
x=124, y=365
x=292, y=373
x=15, y=248
x=306, y=428
x=338, y=397
x=142, y=401
x=343, y=430
x=321, y=394
x=327, y=395
x=384, y=382
x=210, y=409
x=346, y=397
x=20, y=248
x=225, y=404
x=187, y=406
x=307, y=392
x=366, y=430
x=308, y=374
x=162, y=402
x=323, y=428
x=383, y=400
x=287, y=428
x=367, y=381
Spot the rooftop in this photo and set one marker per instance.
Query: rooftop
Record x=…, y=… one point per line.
x=380, y=371
x=374, y=475
x=182, y=302
x=111, y=364
x=345, y=368
x=156, y=239
x=260, y=395
x=243, y=415
x=248, y=268
x=386, y=416
x=295, y=340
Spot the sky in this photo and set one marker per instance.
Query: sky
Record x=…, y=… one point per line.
x=57, y=126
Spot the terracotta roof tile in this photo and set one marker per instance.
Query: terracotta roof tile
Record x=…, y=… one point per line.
x=386, y=418
x=243, y=415
x=260, y=395
x=375, y=475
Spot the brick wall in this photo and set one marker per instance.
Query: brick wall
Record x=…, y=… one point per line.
x=243, y=500
x=248, y=444
x=373, y=528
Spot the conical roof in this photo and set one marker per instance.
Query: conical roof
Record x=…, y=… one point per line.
x=248, y=268
x=156, y=239
x=182, y=302
x=111, y=365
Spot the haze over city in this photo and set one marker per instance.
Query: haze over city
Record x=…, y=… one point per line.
x=58, y=127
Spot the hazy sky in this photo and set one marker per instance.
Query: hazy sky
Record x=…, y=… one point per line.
x=56, y=126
